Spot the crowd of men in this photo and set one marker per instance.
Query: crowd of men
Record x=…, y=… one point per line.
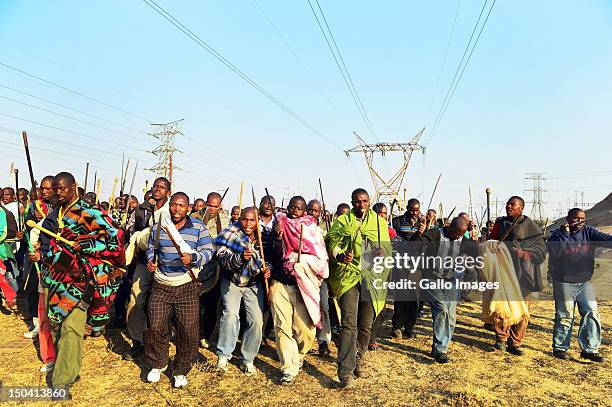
x=171, y=268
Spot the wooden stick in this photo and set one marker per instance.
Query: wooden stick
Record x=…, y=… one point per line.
x=300, y=242
x=270, y=202
x=323, y=204
x=259, y=240
x=27, y=151
x=86, y=175
x=111, y=199
x=98, y=187
x=59, y=237
x=124, y=216
x=225, y=193
x=17, y=215
x=240, y=196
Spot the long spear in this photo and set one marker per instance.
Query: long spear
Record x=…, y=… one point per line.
x=260, y=241
x=27, y=151
x=95, y=184
x=111, y=202
x=434, y=192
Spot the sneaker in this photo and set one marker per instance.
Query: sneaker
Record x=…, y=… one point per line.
x=47, y=367
x=516, y=350
x=500, y=346
x=180, y=381
x=222, y=365
x=360, y=371
x=410, y=335
x=595, y=357
x=287, y=379
x=248, y=368
x=441, y=358
x=347, y=382
x=561, y=354
x=155, y=374
x=324, y=349
x=204, y=344
x=397, y=334
x=31, y=334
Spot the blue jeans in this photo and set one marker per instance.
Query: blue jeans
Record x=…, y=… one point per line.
x=443, y=303
x=253, y=300
x=566, y=296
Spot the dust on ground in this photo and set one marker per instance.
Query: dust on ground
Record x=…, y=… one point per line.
x=401, y=373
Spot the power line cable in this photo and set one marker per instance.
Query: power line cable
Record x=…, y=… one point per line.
x=170, y=18
x=73, y=92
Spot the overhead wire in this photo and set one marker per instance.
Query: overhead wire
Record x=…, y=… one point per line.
x=181, y=27
x=461, y=67
x=337, y=56
x=81, y=94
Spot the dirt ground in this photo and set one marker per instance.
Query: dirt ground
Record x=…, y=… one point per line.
x=401, y=374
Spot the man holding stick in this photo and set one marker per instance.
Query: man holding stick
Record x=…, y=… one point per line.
x=177, y=247
x=87, y=251
x=295, y=287
x=350, y=237
x=242, y=267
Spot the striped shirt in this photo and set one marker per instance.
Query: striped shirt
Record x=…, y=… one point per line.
x=195, y=234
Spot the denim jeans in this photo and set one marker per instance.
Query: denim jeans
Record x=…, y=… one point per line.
x=566, y=296
x=253, y=299
x=443, y=303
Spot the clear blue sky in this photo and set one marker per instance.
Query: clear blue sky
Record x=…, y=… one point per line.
x=535, y=97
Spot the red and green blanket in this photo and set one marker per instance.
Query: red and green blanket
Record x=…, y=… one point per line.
x=88, y=278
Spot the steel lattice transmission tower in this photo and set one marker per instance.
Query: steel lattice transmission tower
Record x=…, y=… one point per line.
x=387, y=189
x=537, y=210
x=165, y=134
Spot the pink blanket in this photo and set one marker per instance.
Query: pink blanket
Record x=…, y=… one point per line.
x=313, y=266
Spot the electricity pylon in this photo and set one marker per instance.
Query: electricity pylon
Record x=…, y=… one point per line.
x=165, y=133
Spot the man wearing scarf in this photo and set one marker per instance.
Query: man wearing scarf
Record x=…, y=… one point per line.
x=82, y=277
x=353, y=238
x=178, y=247
x=294, y=288
x=241, y=269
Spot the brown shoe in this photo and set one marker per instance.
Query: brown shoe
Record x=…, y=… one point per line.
x=346, y=382
x=360, y=371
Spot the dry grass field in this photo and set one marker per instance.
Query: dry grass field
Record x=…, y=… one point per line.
x=401, y=373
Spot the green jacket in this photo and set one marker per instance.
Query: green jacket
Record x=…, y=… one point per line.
x=348, y=233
